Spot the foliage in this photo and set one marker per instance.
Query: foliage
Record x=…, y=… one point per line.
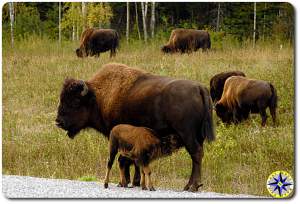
x=99, y=14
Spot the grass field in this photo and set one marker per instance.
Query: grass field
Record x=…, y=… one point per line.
x=239, y=161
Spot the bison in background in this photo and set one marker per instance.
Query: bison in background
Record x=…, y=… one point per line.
x=242, y=96
x=94, y=41
x=187, y=40
x=118, y=94
x=217, y=83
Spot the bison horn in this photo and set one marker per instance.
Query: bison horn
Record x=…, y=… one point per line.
x=85, y=88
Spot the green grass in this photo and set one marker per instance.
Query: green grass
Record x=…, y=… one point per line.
x=239, y=161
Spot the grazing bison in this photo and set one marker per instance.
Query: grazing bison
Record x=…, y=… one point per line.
x=142, y=146
x=242, y=96
x=218, y=81
x=118, y=94
x=187, y=40
x=94, y=41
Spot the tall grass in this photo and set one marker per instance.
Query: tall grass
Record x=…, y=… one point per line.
x=239, y=161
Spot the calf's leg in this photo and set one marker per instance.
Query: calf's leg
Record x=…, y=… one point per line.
x=147, y=173
x=113, y=150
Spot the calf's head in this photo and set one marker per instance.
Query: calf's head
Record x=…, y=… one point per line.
x=166, y=49
x=74, y=107
x=79, y=52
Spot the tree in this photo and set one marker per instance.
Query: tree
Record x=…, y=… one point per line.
x=99, y=14
x=11, y=15
x=144, y=6
x=127, y=21
x=254, y=24
x=137, y=20
x=152, y=22
x=59, y=22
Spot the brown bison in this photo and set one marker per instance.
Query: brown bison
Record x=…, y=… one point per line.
x=94, y=41
x=118, y=94
x=187, y=40
x=242, y=96
x=218, y=81
x=142, y=146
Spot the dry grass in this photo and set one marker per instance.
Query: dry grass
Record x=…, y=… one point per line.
x=239, y=161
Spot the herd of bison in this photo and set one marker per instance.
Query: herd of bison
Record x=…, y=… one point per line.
x=146, y=116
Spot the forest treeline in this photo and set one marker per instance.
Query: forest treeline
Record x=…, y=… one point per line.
x=145, y=20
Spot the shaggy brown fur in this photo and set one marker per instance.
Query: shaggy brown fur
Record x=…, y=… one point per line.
x=142, y=146
x=187, y=40
x=118, y=94
x=242, y=95
x=217, y=83
x=94, y=41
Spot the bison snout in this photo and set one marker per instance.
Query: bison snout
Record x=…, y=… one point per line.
x=59, y=123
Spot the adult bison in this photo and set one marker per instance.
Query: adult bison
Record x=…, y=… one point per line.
x=242, y=96
x=217, y=83
x=94, y=41
x=187, y=40
x=118, y=94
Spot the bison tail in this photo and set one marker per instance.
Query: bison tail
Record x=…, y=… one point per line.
x=208, y=42
x=273, y=102
x=207, y=129
x=117, y=39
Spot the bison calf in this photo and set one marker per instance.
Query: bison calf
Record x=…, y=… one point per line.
x=142, y=146
x=242, y=96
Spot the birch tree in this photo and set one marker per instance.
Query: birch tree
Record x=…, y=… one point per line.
x=152, y=22
x=137, y=20
x=59, y=22
x=83, y=13
x=144, y=6
x=127, y=21
x=218, y=17
x=254, y=24
x=11, y=16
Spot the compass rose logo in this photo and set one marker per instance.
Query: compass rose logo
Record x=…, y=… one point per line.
x=280, y=184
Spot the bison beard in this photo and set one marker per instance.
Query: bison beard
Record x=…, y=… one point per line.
x=118, y=94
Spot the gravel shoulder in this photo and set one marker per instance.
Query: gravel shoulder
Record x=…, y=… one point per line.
x=31, y=187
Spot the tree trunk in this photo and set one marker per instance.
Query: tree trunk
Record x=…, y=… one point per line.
x=254, y=24
x=144, y=15
x=152, y=23
x=73, y=22
x=264, y=23
x=11, y=15
x=83, y=12
x=137, y=20
x=127, y=21
x=218, y=17
x=59, y=22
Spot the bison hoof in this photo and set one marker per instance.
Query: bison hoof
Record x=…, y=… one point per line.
x=152, y=189
x=106, y=185
x=144, y=188
x=136, y=183
x=194, y=187
x=122, y=185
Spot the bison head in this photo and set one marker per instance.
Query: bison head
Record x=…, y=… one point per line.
x=79, y=52
x=223, y=113
x=74, y=107
x=166, y=49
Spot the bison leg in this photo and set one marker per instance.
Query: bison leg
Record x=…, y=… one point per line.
x=112, y=155
x=147, y=173
x=264, y=116
x=273, y=114
x=143, y=184
x=124, y=164
x=195, y=149
x=137, y=176
x=112, y=52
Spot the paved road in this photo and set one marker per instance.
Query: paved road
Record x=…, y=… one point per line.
x=31, y=187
